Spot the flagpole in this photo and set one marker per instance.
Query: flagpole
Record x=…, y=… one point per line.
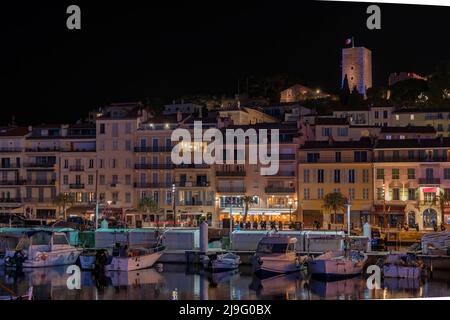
x=353, y=42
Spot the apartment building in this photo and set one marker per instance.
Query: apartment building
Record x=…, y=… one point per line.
x=410, y=175
x=438, y=118
x=335, y=166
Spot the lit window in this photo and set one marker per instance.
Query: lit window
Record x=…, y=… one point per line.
x=397, y=117
x=411, y=117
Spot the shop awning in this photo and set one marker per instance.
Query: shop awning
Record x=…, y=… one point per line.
x=429, y=190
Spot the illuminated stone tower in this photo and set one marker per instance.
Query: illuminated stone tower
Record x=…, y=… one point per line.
x=357, y=65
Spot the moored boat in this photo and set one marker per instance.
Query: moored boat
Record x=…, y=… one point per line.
x=402, y=266
x=221, y=262
x=275, y=255
x=337, y=264
x=27, y=296
x=129, y=259
x=42, y=249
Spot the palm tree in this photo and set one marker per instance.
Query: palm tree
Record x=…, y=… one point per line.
x=247, y=202
x=334, y=201
x=444, y=201
x=63, y=200
x=149, y=205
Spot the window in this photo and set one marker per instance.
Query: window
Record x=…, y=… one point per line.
x=313, y=157
x=102, y=128
x=326, y=132
x=381, y=155
x=66, y=164
x=411, y=154
x=395, y=174
x=411, y=194
x=113, y=163
x=306, y=176
x=127, y=197
x=337, y=176
x=115, y=129
x=440, y=127
x=395, y=155
x=320, y=176
x=168, y=197
x=127, y=179
x=128, y=128
x=429, y=173
x=115, y=145
x=320, y=193
x=429, y=197
x=360, y=156
x=351, y=194
x=385, y=114
x=351, y=176
x=115, y=196
x=365, y=194
x=411, y=117
x=100, y=165
x=396, y=194
x=342, y=132
x=128, y=145
x=102, y=179
x=397, y=117
x=380, y=174
x=411, y=173
x=377, y=114
x=380, y=194
x=90, y=179
x=365, y=176
x=338, y=156
x=128, y=163
x=65, y=179
x=91, y=163
x=447, y=173
x=306, y=194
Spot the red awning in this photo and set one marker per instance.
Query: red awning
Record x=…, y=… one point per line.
x=429, y=190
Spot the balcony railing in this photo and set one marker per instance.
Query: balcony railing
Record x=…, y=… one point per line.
x=272, y=189
x=76, y=168
x=11, y=149
x=46, y=149
x=195, y=203
x=148, y=166
x=11, y=200
x=429, y=181
x=231, y=189
x=231, y=173
x=40, y=182
x=189, y=184
x=39, y=165
x=38, y=200
x=11, y=183
x=9, y=166
x=153, y=149
x=153, y=185
x=411, y=159
x=76, y=186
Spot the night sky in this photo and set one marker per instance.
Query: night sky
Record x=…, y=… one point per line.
x=130, y=50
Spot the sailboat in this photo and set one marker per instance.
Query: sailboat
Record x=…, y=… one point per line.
x=337, y=264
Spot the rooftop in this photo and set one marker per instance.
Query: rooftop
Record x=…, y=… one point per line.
x=409, y=129
x=331, y=121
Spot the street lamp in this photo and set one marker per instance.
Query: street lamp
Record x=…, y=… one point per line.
x=348, y=205
x=290, y=211
x=173, y=206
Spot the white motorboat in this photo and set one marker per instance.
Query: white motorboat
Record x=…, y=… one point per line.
x=89, y=257
x=276, y=254
x=42, y=249
x=134, y=259
x=337, y=264
x=221, y=262
x=402, y=266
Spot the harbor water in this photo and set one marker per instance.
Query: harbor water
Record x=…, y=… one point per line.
x=180, y=282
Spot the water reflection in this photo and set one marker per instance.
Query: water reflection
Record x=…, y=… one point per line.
x=179, y=282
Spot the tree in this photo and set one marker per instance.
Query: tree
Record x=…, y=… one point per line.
x=444, y=201
x=345, y=92
x=149, y=205
x=62, y=200
x=247, y=202
x=355, y=99
x=334, y=201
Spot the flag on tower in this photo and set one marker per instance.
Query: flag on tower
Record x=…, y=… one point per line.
x=349, y=41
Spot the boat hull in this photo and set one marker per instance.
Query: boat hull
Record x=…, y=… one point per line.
x=133, y=263
x=87, y=262
x=267, y=267
x=333, y=269
x=396, y=271
x=52, y=259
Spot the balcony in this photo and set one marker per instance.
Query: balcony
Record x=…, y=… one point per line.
x=46, y=149
x=231, y=189
x=273, y=189
x=40, y=183
x=9, y=167
x=152, y=149
x=195, y=203
x=430, y=181
x=115, y=184
x=10, y=200
x=415, y=158
x=6, y=149
x=145, y=166
x=11, y=183
x=39, y=165
x=38, y=200
x=152, y=185
x=76, y=186
x=191, y=184
x=76, y=168
x=231, y=173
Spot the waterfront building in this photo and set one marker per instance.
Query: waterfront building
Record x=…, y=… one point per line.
x=439, y=118
x=410, y=178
